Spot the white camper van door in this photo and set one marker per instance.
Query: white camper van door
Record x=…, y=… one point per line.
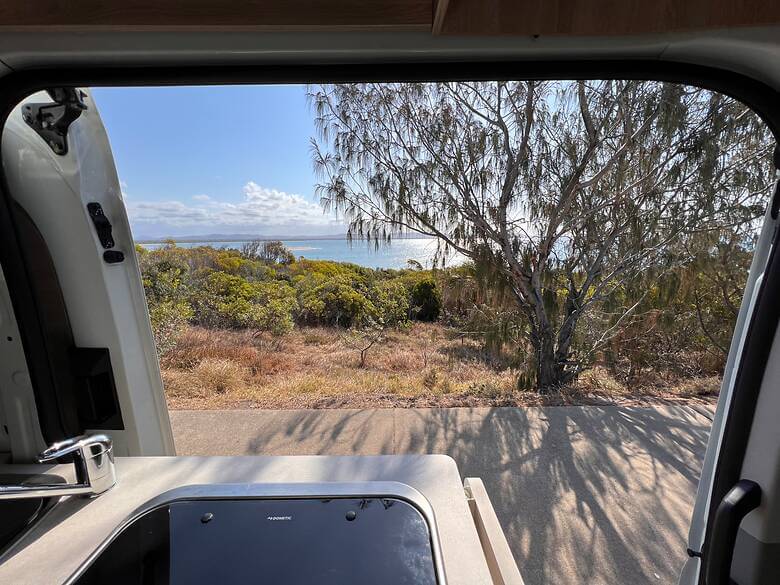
x=60, y=173
x=735, y=529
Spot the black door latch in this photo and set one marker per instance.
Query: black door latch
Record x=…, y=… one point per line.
x=103, y=229
x=102, y=225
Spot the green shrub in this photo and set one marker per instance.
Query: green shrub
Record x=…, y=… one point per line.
x=391, y=300
x=426, y=300
x=231, y=301
x=275, y=304
x=333, y=302
x=223, y=300
x=168, y=319
x=166, y=291
x=261, y=288
x=356, y=276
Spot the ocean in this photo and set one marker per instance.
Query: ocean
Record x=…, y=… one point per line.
x=394, y=255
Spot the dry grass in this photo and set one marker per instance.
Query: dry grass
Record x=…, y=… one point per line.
x=427, y=365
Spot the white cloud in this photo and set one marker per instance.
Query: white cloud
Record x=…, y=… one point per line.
x=260, y=209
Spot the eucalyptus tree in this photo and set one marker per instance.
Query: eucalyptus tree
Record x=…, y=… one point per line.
x=563, y=191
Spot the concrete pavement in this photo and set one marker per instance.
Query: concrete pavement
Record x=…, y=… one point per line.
x=585, y=494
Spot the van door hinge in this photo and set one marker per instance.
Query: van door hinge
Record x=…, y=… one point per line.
x=51, y=121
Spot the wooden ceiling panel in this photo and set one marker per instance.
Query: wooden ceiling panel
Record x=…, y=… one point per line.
x=448, y=17
x=601, y=17
x=216, y=14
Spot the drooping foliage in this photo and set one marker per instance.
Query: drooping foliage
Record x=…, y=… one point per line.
x=578, y=199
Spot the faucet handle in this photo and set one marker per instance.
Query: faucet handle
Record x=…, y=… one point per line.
x=94, y=460
x=94, y=463
x=87, y=446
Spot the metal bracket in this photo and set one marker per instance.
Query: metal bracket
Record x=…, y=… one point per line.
x=51, y=121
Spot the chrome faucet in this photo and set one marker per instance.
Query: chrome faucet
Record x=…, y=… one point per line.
x=95, y=473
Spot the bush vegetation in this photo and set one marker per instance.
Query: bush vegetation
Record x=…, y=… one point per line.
x=269, y=293
x=679, y=330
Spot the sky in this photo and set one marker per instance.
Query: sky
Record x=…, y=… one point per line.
x=207, y=160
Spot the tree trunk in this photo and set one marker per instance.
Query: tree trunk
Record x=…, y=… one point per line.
x=547, y=371
x=551, y=361
x=552, y=348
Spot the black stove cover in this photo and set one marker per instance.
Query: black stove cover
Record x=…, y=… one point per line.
x=340, y=541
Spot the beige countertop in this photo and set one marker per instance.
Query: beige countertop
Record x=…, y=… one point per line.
x=54, y=549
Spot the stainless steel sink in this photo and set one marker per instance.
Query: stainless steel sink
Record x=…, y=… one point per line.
x=226, y=535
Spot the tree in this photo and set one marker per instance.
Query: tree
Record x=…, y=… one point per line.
x=251, y=249
x=270, y=252
x=559, y=191
x=364, y=337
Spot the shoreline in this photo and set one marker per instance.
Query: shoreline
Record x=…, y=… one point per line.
x=247, y=238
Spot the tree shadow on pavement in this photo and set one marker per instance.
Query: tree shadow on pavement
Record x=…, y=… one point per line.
x=585, y=495
x=598, y=494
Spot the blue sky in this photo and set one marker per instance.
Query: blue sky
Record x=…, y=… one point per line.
x=203, y=160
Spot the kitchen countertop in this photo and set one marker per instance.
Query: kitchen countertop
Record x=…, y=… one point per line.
x=57, y=545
